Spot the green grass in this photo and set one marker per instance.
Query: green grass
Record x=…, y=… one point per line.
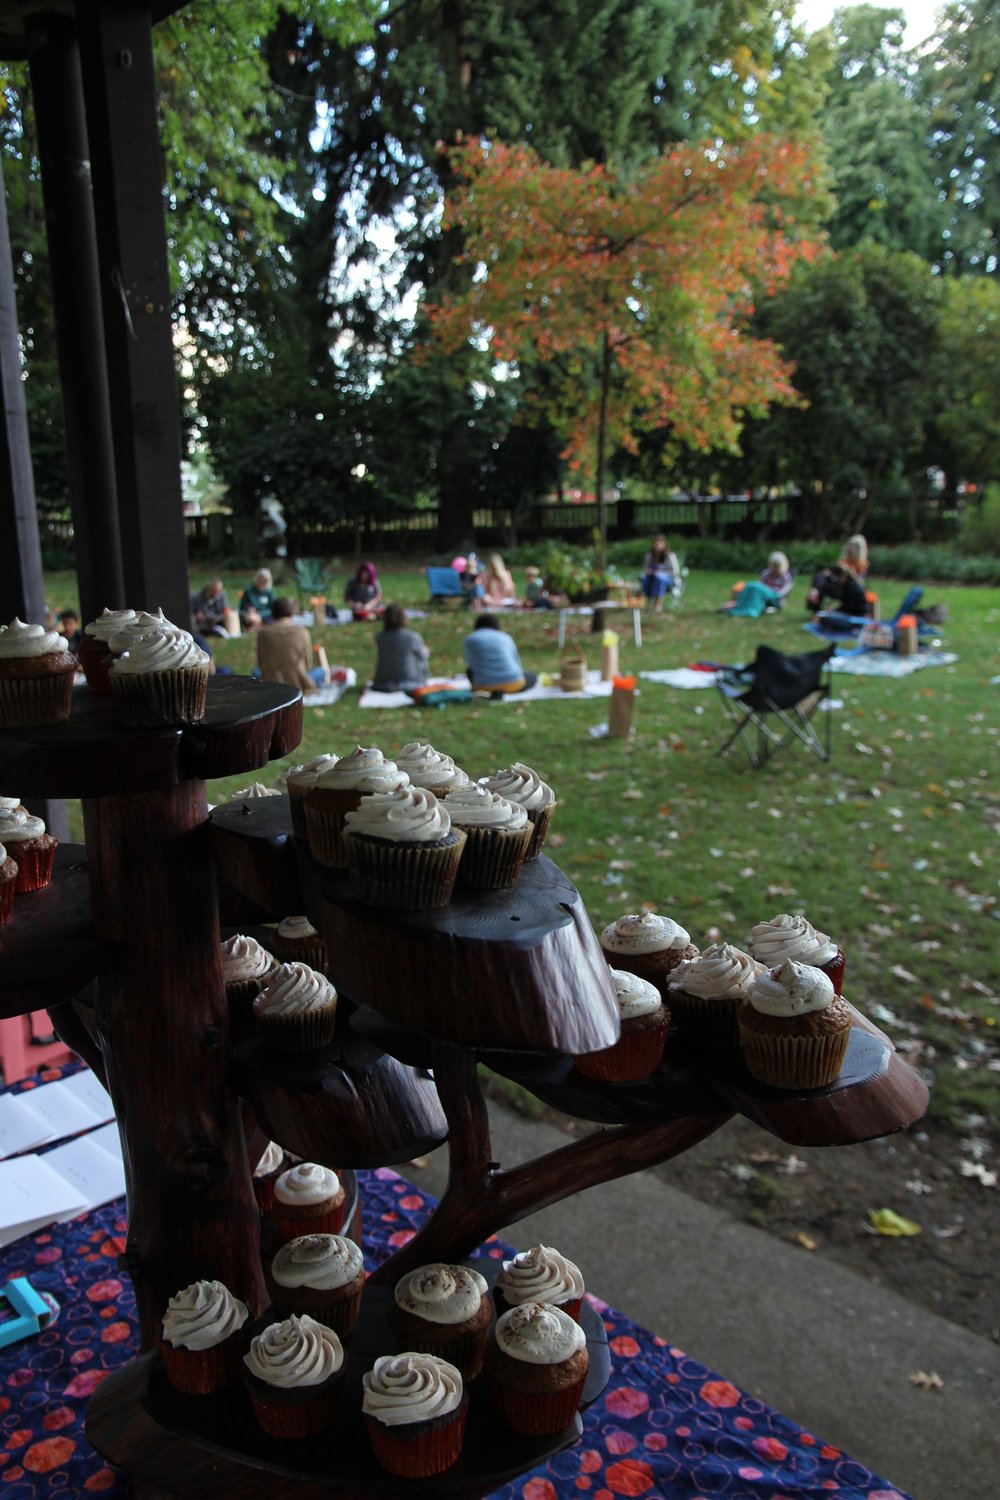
x=891, y=848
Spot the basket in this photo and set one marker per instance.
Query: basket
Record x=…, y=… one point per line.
x=572, y=670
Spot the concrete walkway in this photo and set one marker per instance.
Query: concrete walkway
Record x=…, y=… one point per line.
x=818, y=1342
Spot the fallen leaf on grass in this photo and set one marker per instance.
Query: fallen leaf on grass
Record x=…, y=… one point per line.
x=632, y=793
x=902, y=973
x=886, y=1221
x=979, y=1172
x=806, y=1241
x=927, y=1380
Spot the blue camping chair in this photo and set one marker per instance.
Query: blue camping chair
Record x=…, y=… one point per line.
x=444, y=584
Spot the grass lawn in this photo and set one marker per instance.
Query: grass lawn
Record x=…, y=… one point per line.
x=891, y=848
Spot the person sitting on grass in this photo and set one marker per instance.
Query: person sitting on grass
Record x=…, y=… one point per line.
x=285, y=653
x=842, y=586
x=492, y=660
x=363, y=594
x=536, y=595
x=257, y=600
x=69, y=626
x=401, y=658
x=209, y=609
x=498, y=585
x=750, y=600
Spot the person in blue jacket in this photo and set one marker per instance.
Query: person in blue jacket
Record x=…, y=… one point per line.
x=491, y=660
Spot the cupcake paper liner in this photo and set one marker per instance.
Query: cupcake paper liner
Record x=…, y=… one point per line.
x=465, y=1352
x=324, y=818
x=95, y=660
x=534, y=1414
x=8, y=881
x=795, y=1062
x=419, y=1449
x=303, y=1032
x=404, y=877
x=296, y=1413
x=201, y=1372
x=540, y=820
x=834, y=971
x=241, y=994
x=570, y=1308
x=329, y=1220
x=706, y=1023
x=30, y=702
x=492, y=858
x=341, y=1316
x=313, y=953
x=635, y=1055
x=297, y=809
x=146, y=700
x=34, y=863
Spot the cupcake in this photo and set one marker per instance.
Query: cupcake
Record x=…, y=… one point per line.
x=430, y=768
x=203, y=1338
x=308, y=1199
x=273, y=1162
x=8, y=878
x=30, y=847
x=298, y=782
x=794, y=1029
x=498, y=835
x=292, y=1373
x=647, y=945
x=94, y=650
x=706, y=992
x=540, y=1274
x=250, y=794
x=401, y=850
x=162, y=680
x=796, y=938
x=246, y=968
x=337, y=791
x=36, y=676
x=639, y=1049
x=144, y=626
x=537, y=1367
x=297, y=1009
x=319, y=1274
x=414, y=1407
x=444, y=1310
x=523, y=786
x=295, y=939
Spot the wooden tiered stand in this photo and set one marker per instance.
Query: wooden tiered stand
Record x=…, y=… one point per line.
x=123, y=949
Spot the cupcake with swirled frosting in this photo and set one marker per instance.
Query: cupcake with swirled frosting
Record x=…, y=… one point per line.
x=298, y=782
x=297, y=1008
x=402, y=851
x=308, y=1199
x=498, y=836
x=31, y=848
x=94, y=650
x=541, y=1274
x=639, y=1049
x=414, y=1407
x=36, y=676
x=163, y=679
x=795, y=937
x=8, y=878
x=203, y=1336
x=706, y=992
x=295, y=940
x=430, y=768
x=794, y=1028
x=319, y=1274
x=293, y=1372
x=523, y=786
x=537, y=1366
x=274, y=1160
x=337, y=791
x=648, y=945
x=444, y=1310
x=246, y=968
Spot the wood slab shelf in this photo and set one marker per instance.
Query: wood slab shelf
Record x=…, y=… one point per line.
x=256, y=860
x=48, y=951
x=210, y=1448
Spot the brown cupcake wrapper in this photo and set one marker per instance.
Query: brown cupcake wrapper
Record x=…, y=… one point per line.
x=466, y=1352
x=636, y=1054
x=420, y=1449
x=404, y=877
x=492, y=857
x=34, y=863
x=147, y=700
x=305, y=1032
x=95, y=662
x=241, y=994
x=29, y=702
x=540, y=820
x=299, y=1414
x=8, y=883
x=571, y=1308
x=706, y=1023
x=795, y=1062
x=536, y=1415
x=341, y=1316
x=297, y=809
x=290, y=1226
x=202, y=1372
x=834, y=970
x=301, y=953
x=324, y=818
x=263, y=1191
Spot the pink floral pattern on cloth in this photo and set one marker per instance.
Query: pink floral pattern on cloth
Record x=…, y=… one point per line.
x=666, y=1428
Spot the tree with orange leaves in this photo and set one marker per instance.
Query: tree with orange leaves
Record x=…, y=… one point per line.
x=632, y=292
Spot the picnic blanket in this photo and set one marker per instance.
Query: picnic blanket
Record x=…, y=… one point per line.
x=545, y=687
x=684, y=677
x=887, y=664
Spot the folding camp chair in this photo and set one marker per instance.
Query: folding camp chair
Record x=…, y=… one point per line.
x=771, y=702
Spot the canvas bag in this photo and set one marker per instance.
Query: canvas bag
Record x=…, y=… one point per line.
x=573, y=670
x=621, y=710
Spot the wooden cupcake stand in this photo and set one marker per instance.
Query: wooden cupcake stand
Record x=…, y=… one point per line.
x=123, y=950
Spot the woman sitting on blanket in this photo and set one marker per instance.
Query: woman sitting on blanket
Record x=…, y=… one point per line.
x=285, y=653
x=401, y=658
x=498, y=585
x=492, y=661
x=363, y=594
x=750, y=600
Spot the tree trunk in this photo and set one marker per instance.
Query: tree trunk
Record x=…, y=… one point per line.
x=602, y=438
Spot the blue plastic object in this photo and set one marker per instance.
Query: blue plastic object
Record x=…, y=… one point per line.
x=23, y=1311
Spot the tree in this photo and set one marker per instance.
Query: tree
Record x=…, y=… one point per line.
x=637, y=287
x=966, y=421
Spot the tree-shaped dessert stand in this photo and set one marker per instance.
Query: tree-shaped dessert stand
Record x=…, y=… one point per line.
x=515, y=979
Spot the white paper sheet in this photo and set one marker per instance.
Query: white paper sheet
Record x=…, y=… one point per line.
x=94, y=1172
x=21, y=1127
x=33, y=1194
x=88, y=1090
x=65, y=1109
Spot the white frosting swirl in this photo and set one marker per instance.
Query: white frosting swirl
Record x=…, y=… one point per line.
x=251, y=793
x=203, y=1315
x=306, y=1184
x=721, y=972
x=160, y=652
x=520, y=784
x=17, y=827
x=141, y=628
x=440, y=1293
x=20, y=642
x=364, y=770
x=635, y=996
x=322, y=1261
x=475, y=806
x=541, y=1274
x=407, y=815
x=294, y=1353
x=644, y=932
x=405, y=1388
x=431, y=768
x=794, y=937
x=243, y=958
x=9, y=804
x=294, y=990
x=108, y=622
x=3, y=856
x=539, y=1334
x=304, y=776
x=298, y=929
x=270, y=1161
x=792, y=990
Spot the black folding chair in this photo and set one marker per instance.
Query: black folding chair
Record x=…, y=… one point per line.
x=771, y=703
